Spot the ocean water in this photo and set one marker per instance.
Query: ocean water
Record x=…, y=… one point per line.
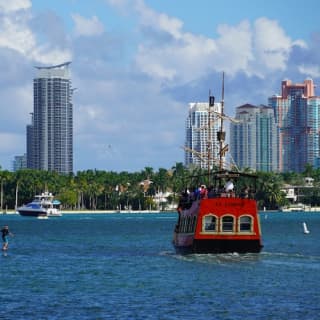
x=123, y=266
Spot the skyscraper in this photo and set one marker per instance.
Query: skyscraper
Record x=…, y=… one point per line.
x=201, y=136
x=297, y=112
x=253, y=140
x=50, y=135
x=19, y=162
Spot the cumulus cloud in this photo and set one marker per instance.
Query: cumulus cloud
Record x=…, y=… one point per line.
x=87, y=27
x=312, y=71
x=256, y=50
x=49, y=55
x=160, y=21
x=272, y=46
x=167, y=60
x=14, y=5
x=16, y=34
x=234, y=45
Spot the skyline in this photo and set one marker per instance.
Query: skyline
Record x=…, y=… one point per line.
x=136, y=65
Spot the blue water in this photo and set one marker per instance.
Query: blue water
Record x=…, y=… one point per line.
x=122, y=266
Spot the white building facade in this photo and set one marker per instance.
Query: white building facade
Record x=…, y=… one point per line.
x=50, y=136
x=253, y=139
x=202, y=125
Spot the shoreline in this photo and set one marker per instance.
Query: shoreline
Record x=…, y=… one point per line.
x=112, y=211
x=13, y=212
x=96, y=211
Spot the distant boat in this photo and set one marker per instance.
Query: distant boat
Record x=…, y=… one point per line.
x=305, y=229
x=297, y=207
x=43, y=205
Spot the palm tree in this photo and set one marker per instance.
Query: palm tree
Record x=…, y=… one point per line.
x=269, y=192
x=5, y=177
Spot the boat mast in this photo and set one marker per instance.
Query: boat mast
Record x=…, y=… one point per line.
x=221, y=135
x=209, y=142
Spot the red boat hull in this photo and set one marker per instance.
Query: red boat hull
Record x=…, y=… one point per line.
x=236, y=227
x=221, y=246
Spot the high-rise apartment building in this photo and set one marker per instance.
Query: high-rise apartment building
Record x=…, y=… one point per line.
x=50, y=135
x=297, y=112
x=202, y=125
x=19, y=162
x=253, y=139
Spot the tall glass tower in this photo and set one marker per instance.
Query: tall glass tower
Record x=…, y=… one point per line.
x=201, y=145
x=50, y=136
x=297, y=112
x=253, y=139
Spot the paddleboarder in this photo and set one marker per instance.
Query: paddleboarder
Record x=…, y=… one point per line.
x=5, y=234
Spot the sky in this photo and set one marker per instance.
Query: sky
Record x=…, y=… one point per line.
x=136, y=64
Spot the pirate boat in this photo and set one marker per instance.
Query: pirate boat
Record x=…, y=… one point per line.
x=221, y=216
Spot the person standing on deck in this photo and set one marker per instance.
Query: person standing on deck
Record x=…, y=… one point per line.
x=5, y=234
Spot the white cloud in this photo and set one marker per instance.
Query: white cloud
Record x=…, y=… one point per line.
x=272, y=46
x=184, y=57
x=87, y=27
x=234, y=48
x=14, y=5
x=159, y=21
x=49, y=55
x=256, y=50
x=300, y=43
x=312, y=71
x=16, y=34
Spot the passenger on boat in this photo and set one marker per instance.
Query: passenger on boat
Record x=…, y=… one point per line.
x=229, y=186
x=203, y=192
x=184, y=199
x=211, y=192
x=245, y=192
x=196, y=193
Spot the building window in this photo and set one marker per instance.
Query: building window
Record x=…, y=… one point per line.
x=245, y=224
x=227, y=224
x=209, y=223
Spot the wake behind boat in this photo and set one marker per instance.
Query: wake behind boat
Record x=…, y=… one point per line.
x=223, y=217
x=43, y=205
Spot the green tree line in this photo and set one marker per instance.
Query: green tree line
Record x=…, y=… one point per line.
x=108, y=190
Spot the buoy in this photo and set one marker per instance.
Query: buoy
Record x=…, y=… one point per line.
x=305, y=229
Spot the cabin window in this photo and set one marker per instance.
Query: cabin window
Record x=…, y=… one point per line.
x=245, y=224
x=227, y=224
x=209, y=224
